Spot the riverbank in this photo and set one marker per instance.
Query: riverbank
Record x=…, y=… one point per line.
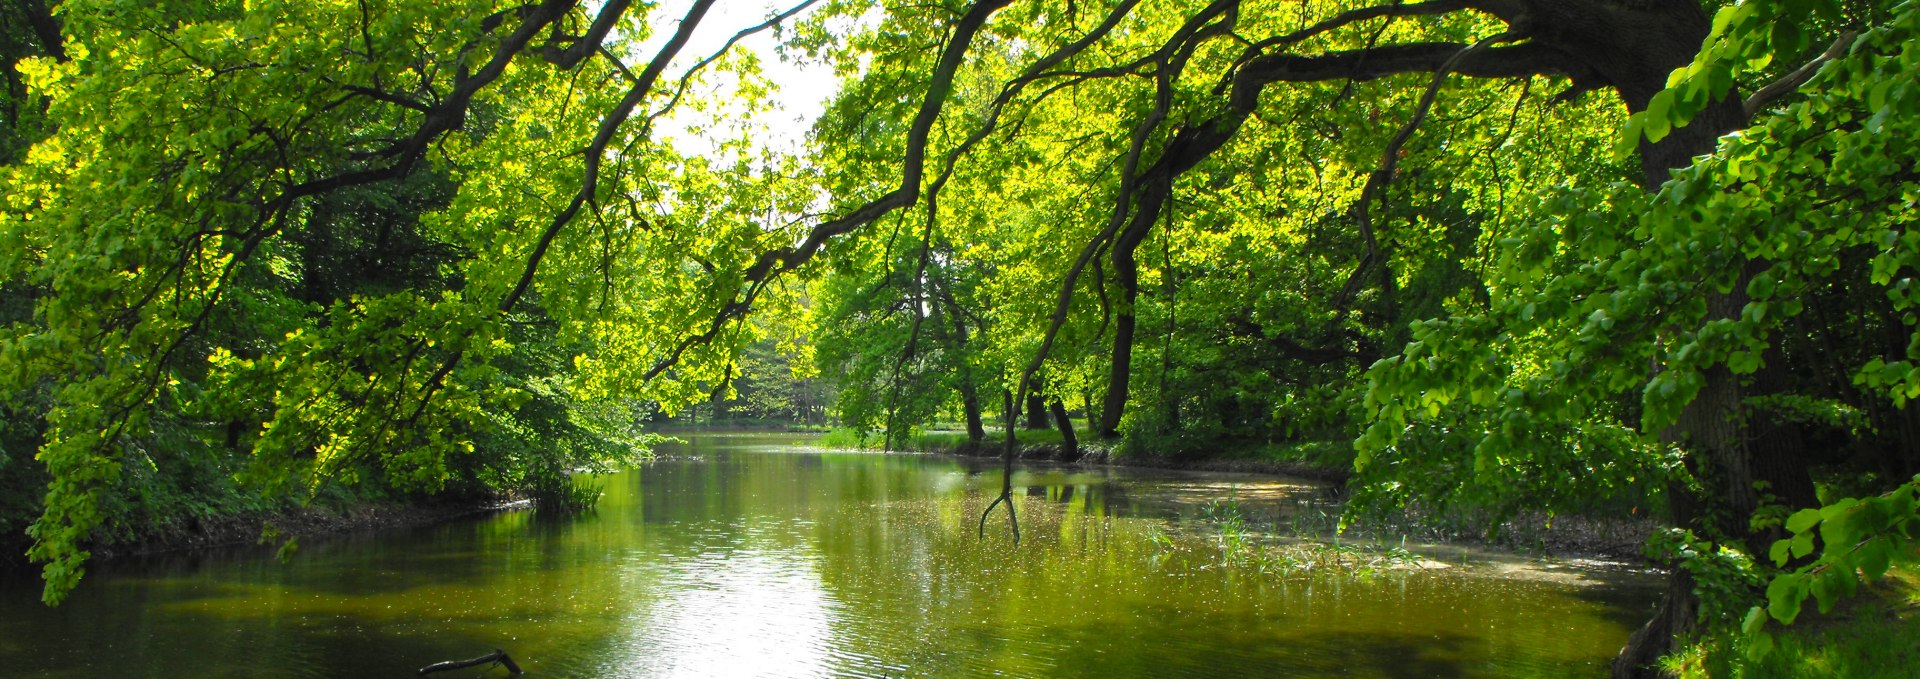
x=1871, y=635
x=1306, y=461
x=248, y=528
x=1532, y=533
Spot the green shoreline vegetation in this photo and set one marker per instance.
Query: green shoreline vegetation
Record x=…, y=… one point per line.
x=1869, y=637
x=1489, y=263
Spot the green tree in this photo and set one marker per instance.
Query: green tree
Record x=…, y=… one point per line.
x=1131, y=203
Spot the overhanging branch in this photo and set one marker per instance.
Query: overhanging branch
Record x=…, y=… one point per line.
x=771, y=264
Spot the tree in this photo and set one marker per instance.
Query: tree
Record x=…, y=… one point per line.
x=1702, y=279
x=1357, y=158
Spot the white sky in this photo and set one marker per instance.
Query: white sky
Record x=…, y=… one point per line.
x=801, y=89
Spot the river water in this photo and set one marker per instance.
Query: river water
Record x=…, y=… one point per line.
x=752, y=555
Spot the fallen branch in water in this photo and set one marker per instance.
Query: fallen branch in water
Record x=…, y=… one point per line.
x=497, y=656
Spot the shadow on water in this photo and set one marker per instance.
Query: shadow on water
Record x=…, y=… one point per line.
x=1625, y=597
x=1396, y=656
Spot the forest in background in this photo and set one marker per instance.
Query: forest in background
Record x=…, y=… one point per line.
x=1559, y=256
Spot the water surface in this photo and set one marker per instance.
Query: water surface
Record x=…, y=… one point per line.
x=746, y=555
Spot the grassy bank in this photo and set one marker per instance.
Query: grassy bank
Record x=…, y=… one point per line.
x=736, y=425
x=1538, y=533
x=1324, y=460
x=1873, y=635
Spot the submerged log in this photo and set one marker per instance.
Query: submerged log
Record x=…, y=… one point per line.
x=497, y=655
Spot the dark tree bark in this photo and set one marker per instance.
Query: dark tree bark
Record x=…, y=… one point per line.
x=969, y=392
x=1120, y=361
x=1036, y=411
x=1069, y=444
x=39, y=16
x=970, y=404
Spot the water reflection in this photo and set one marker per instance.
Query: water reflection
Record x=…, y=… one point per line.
x=745, y=556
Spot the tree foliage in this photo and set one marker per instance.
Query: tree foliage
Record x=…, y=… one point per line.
x=1575, y=256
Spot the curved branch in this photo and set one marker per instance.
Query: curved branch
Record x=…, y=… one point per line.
x=1378, y=180
x=1355, y=16
x=771, y=264
x=597, y=148
x=1799, y=76
x=1425, y=57
x=582, y=46
x=680, y=88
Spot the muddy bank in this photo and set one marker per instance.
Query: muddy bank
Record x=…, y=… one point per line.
x=1531, y=533
x=248, y=528
x=1096, y=453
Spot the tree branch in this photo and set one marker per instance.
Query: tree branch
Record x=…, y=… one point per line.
x=1799, y=76
x=596, y=150
x=775, y=262
x=581, y=46
x=1378, y=180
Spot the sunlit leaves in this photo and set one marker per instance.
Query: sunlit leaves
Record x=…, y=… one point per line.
x=176, y=220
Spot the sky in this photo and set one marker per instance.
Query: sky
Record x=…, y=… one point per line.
x=802, y=89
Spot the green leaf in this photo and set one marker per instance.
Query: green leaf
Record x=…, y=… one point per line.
x=1659, y=107
x=1629, y=139
x=1761, y=287
x=1784, y=595
x=1787, y=38
x=1802, y=545
x=1759, y=645
x=1875, y=557
x=1827, y=589
x=1877, y=96
x=1755, y=621
x=1803, y=520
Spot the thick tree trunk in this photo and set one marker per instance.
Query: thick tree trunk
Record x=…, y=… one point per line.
x=969, y=392
x=1120, y=366
x=970, y=403
x=1126, y=272
x=1633, y=52
x=1711, y=429
x=1069, y=444
x=1036, y=411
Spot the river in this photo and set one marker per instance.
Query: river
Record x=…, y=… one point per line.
x=753, y=555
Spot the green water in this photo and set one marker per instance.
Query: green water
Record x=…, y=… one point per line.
x=747, y=556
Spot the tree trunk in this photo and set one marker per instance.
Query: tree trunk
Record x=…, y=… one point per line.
x=969, y=392
x=1036, y=411
x=1711, y=431
x=1126, y=273
x=1069, y=444
x=970, y=403
x=1119, y=369
x=1710, y=428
